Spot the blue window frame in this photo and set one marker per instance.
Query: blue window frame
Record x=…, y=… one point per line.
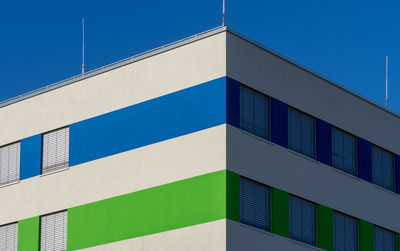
x=384, y=240
x=344, y=151
x=382, y=168
x=345, y=232
x=302, y=220
x=255, y=112
x=301, y=133
x=255, y=208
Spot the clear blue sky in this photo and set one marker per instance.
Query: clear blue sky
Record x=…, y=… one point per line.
x=343, y=40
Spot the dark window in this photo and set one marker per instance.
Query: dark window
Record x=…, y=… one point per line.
x=254, y=112
x=301, y=133
x=302, y=220
x=384, y=240
x=344, y=151
x=382, y=168
x=254, y=204
x=345, y=232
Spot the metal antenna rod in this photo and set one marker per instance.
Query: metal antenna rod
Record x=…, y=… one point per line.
x=223, y=12
x=387, y=76
x=83, y=46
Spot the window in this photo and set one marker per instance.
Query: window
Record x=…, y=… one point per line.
x=254, y=112
x=382, y=168
x=55, y=150
x=53, y=232
x=255, y=204
x=302, y=220
x=301, y=133
x=9, y=237
x=9, y=163
x=344, y=151
x=384, y=240
x=345, y=232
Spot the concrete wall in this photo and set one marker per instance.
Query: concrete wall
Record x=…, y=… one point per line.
x=273, y=76
x=207, y=236
x=241, y=237
x=279, y=167
x=179, y=158
x=183, y=67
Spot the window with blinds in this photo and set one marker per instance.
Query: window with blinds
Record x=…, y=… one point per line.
x=53, y=232
x=301, y=133
x=9, y=237
x=55, y=150
x=254, y=112
x=9, y=163
x=255, y=208
x=344, y=151
x=382, y=168
x=302, y=220
x=384, y=240
x=345, y=232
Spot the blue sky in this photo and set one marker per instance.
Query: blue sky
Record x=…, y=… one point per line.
x=345, y=41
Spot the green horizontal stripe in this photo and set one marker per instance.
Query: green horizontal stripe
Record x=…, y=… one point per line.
x=180, y=204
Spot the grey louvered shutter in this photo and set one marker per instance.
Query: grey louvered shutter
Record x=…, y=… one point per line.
x=255, y=204
x=301, y=133
x=344, y=151
x=9, y=163
x=9, y=237
x=55, y=150
x=382, y=168
x=53, y=232
x=384, y=240
x=302, y=220
x=345, y=232
x=254, y=112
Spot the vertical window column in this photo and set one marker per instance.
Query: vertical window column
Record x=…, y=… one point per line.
x=255, y=209
x=345, y=232
x=301, y=133
x=254, y=112
x=344, y=151
x=382, y=168
x=53, y=232
x=384, y=240
x=9, y=237
x=55, y=153
x=9, y=163
x=302, y=220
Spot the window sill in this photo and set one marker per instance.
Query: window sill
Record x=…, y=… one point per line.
x=345, y=173
x=382, y=188
x=9, y=184
x=305, y=244
x=55, y=171
x=255, y=136
x=257, y=229
x=302, y=155
x=279, y=236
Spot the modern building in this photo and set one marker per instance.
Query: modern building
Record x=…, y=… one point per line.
x=213, y=142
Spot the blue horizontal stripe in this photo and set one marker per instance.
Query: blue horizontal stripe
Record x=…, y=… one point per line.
x=173, y=115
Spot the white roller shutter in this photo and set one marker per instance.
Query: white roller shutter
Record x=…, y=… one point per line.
x=55, y=150
x=9, y=163
x=53, y=232
x=9, y=237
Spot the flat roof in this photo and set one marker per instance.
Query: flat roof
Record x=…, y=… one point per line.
x=171, y=46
